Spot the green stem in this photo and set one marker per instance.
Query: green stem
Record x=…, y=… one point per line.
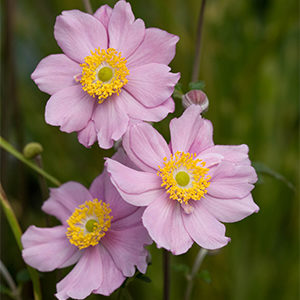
x=17, y=232
x=9, y=148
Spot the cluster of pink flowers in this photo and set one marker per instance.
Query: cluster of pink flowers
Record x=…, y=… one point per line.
x=112, y=77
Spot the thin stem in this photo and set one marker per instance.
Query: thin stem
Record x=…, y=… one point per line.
x=9, y=148
x=42, y=180
x=88, y=6
x=15, y=227
x=4, y=272
x=166, y=271
x=196, y=67
x=198, y=261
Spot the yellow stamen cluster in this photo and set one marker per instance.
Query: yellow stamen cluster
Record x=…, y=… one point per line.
x=89, y=223
x=103, y=59
x=177, y=164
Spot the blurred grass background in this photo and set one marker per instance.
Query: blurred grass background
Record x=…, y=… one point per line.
x=250, y=66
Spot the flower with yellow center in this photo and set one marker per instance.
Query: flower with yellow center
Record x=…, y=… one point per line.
x=184, y=177
x=103, y=73
x=89, y=223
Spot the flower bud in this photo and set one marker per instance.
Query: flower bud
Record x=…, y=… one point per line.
x=196, y=97
x=31, y=150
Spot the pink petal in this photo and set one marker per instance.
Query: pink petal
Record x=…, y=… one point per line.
x=151, y=84
x=70, y=108
x=231, y=153
x=163, y=220
x=132, y=219
x=103, y=14
x=204, y=229
x=88, y=135
x=103, y=189
x=136, y=187
x=145, y=147
x=191, y=133
x=125, y=33
x=230, y=210
x=111, y=122
x=138, y=111
x=94, y=273
x=158, y=46
x=47, y=249
x=77, y=33
x=55, y=72
x=126, y=246
x=65, y=199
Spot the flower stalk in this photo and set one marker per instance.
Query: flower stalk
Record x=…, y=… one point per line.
x=166, y=271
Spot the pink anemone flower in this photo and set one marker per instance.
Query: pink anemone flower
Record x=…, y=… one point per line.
x=189, y=186
x=100, y=232
x=113, y=69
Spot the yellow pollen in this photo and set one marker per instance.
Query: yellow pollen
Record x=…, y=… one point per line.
x=103, y=73
x=184, y=177
x=89, y=223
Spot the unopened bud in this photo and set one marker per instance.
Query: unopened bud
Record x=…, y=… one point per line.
x=31, y=150
x=196, y=97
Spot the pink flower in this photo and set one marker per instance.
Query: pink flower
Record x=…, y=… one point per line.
x=112, y=70
x=188, y=187
x=100, y=232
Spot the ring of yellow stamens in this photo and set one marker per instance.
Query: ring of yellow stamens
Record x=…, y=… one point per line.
x=89, y=223
x=103, y=73
x=184, y=177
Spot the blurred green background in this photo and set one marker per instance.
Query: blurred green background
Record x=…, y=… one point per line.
x=250, y=66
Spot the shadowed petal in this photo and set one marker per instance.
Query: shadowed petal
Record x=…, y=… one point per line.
x=103, y=14
x=47, y=249
x=163, y=220
x=204, y=229
x=88, y=135
x=77, y=33
x=55, y=72
x=70, y=108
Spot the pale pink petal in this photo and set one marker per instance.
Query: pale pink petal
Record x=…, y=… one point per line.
x=103, y=14
x=145, y=147
x=55, y=72
x=191, y=133
x=210, y=159
x=126, y=246
x=137, y=110
x=70, y=108
x=151, y=84
x=63, y=200
x=77, y=33
x=88, y=135
x=203, y=228
x=94, y=271
x=47, y=249
x=111, y=122
x=125, y=33
x=230, y=210
x=231, y=153
x=133, y=219
x=136, y=187
x=163, y=220
x=158, y=46
x=103, y=189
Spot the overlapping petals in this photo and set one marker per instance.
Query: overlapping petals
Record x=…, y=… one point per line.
x=101, y=268
x=171, y=224
x=147, y=94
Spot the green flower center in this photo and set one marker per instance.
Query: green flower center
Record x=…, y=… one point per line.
x=90, y=225
x=105, y=74
x=182, y=178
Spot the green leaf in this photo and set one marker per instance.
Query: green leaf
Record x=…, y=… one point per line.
x=143, y=277
x=199, y=85
x=5, y=291
x=264, y=169
x=204, y=275
x=23, y=276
